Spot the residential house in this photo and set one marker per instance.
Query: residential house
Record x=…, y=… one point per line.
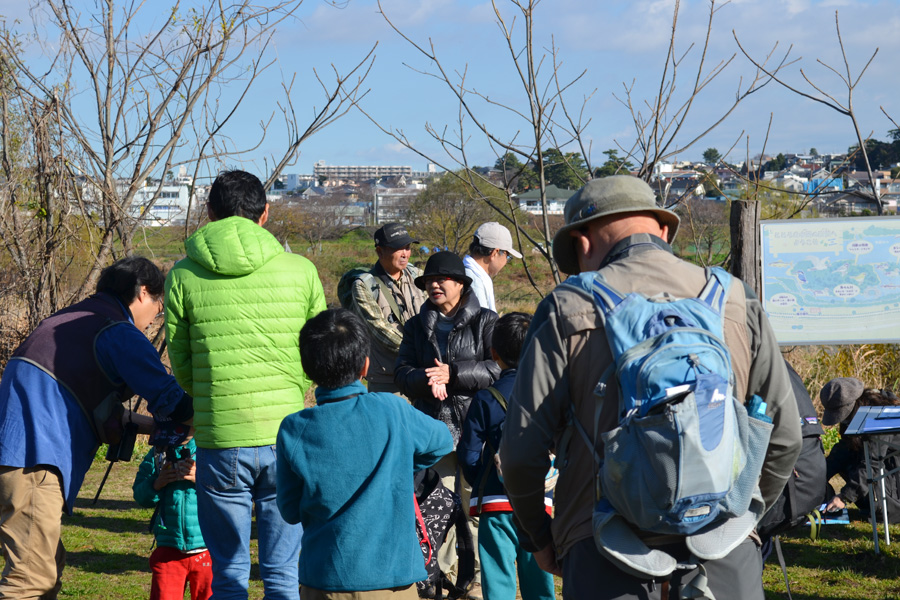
x=530, y=201
x=678, y=185
x=850, y=202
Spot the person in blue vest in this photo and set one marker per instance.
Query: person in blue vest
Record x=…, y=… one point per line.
x=60, y=396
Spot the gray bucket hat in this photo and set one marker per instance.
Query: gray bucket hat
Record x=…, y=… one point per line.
x=839, y=396
x=600, y=198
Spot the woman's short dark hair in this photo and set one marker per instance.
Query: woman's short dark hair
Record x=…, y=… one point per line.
x=509, y=337
x=237, y=194
x=333, y=347
x=124, y=278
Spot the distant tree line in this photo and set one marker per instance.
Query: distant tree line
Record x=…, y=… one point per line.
x=565, y=170
x=881, y=154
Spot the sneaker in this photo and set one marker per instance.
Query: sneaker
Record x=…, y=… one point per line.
x=474, y=592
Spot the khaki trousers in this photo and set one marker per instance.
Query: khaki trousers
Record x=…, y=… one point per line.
x=399, y=593
x=451, y=476
x=31, y=505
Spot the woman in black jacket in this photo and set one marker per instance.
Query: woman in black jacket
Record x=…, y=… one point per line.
x=445, y=357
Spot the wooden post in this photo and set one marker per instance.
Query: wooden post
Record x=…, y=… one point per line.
x=745, y=241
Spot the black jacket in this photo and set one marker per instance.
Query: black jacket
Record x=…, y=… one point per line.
x=851, y=465
x=469, y=357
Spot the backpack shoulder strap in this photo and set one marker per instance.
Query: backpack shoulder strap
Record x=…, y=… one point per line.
x=715, y=292
x=499, y=397
x=389, y=296
x=606, y=296
x=501, y=400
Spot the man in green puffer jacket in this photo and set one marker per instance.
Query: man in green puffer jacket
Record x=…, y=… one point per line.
x=234, y=310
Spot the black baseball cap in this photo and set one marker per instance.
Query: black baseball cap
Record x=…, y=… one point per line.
x=393, y=235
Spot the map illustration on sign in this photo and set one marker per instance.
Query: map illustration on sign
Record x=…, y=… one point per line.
x=832, y=281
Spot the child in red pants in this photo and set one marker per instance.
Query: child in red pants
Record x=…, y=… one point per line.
x=165, y=480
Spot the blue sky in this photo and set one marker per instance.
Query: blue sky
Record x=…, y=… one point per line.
x=616, y=41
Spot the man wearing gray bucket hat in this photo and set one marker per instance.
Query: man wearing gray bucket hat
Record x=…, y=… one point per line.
x=614, y=226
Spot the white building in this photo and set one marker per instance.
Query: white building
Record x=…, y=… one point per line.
x=530, y=201
x=358, y=172
x=170, y=202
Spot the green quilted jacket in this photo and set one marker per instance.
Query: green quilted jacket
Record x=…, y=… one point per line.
x=234, y=310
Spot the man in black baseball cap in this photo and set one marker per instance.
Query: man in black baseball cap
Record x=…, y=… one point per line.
x=394, y=236
x=385, y=297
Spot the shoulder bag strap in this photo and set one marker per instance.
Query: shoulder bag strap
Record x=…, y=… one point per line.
x=389, y=296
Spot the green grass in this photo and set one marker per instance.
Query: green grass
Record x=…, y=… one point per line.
x=108, y=546
x=840, y=564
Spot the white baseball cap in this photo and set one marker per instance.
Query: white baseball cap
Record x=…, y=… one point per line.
x=495, y=235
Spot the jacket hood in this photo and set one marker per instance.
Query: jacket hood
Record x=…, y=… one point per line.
x=232, y=246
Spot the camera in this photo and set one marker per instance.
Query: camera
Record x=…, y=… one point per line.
x=173, y=455
x=124, y=448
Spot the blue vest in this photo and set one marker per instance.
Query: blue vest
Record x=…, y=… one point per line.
x=63, y=346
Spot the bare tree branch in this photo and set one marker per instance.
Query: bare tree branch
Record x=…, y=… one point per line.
x=850, y=82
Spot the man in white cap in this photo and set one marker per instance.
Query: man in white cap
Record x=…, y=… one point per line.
x=490, y=250
x=613, y=226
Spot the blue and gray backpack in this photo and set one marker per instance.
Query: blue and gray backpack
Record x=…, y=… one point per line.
x=686, y=455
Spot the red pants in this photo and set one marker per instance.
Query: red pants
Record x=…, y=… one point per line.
x=173, y=570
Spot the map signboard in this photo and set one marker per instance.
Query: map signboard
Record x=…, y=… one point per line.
x=832, y=281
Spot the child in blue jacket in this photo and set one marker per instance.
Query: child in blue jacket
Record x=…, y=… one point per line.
x=499, y=548
x=345, y=470
x=165, y=480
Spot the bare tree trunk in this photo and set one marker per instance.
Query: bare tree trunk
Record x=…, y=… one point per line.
x=745, y=243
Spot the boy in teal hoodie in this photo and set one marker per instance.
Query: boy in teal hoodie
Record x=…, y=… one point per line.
x=166, y=481
x=345, y=470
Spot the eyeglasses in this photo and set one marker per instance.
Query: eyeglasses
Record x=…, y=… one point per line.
x=509, y=256
x=438, y=279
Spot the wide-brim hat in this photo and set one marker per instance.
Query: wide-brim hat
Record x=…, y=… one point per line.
x=839, y=396
x=602, y=197
x=447, y=264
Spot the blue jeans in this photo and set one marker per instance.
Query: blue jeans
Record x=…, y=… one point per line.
x=229, y=483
